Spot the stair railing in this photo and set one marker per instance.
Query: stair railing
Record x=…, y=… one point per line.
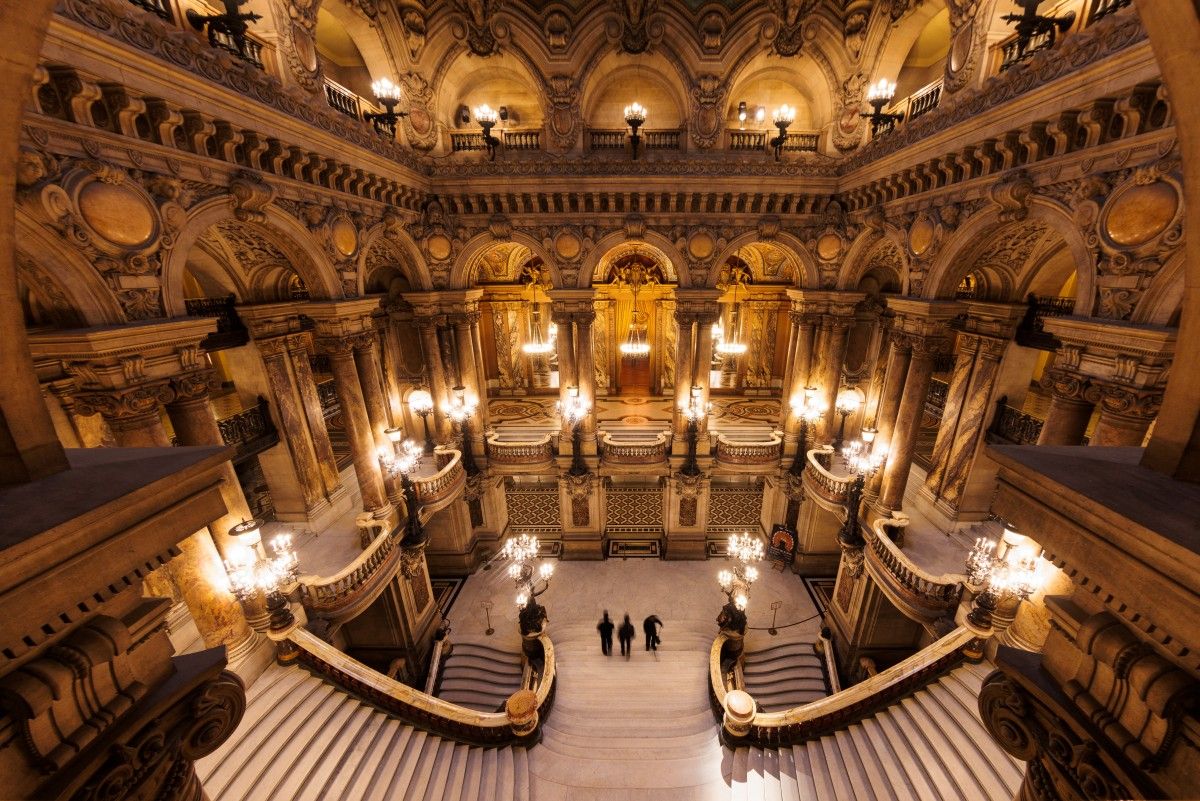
x=909, y=585
x=518, y=723
x=343, y=595
x=742, y=724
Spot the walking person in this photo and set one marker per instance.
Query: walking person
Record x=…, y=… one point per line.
x=605, y=627
x=625, y=635
x=650, y=626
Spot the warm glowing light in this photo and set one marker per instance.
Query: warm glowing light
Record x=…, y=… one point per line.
x=384, y=89
x=883, y=89
x=574, y=408
x=420, y=401
x=848, y=401
x=485, y=114
x=635, y=113
x=785, y=115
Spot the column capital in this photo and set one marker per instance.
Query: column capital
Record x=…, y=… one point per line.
x=1125, y=401
x=1113, y=351
x=193, y=386
x=443, y=301
x=1065, y=384
x=341, y=318
x=127, y=404
x=997, y=320
x=840, y=303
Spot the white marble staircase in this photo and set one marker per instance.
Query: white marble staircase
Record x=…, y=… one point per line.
x=480, y=673
x=929, y=746
x=782, y=675
x=305, y=740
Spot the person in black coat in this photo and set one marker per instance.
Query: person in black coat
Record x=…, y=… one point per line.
x=650, y=626
x=605, y=628
x=625, y=635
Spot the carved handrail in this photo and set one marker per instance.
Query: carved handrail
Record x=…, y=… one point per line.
x=533, y=451
x=328, y=593
x=819, y=717
x=642, y=451
x=938, y=593
x=749, y=452
x=435, y=665
x=445, y=482
x=421, y=709
x=832, y=488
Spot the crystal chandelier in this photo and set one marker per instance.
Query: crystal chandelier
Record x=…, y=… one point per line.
x=635, y=343
x=522, y=550
x=733, y=346
x=1013, y=577
x=536, y=346
x=736, y=582
x=251, y=569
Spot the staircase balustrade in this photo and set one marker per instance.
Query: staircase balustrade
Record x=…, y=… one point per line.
x=742, y=452
x=420, y=709
x=634, y=452
x=352, y=588
x=817, y=718
x=817, y=476
x=925, y=594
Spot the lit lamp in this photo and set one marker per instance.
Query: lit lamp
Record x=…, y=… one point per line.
x=256, y=571
x=878, y=96
x=733, y=346
x=403, y=461
x=522, y=550
x=863, y=461
x=487, y=118
x=1009, y=578
x=783, y=117
x=848, y=401
x=421, y=403
x=809, y=409
x=460, y=410
x=745, y=550
x=573, y=411
x=387, y=94
x=635, y=117
x=694, y=410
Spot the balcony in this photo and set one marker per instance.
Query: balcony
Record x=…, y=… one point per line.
x=347, y=102
x=617, y=138
x=1031, y=331
x=511, y=453
x=921, y=594
x=513, y=140
x=821, y=483
x=632, y=451
x=437, y=491
x=741, y=141
x=743, y=455
x=250, y=431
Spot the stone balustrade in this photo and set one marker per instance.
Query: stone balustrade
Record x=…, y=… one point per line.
x=907, y=585
x=437, y=491
x=640, y=451
x=340, y=597
x=507, y=454
x=749, y=453
x=823, y=483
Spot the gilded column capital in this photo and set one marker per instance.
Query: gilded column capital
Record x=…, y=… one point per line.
x=1065, y=384
x=130, y=403
x=193, y=386
x=1125, y=401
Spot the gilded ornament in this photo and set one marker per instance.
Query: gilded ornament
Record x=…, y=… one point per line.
x=345, y=237
x=568, y=246
x=920, y=236
x=439, y=247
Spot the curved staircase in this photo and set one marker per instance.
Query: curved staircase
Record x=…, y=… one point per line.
x=929, y=745
x=304, y=739
x=480, y=673
x=783, y=674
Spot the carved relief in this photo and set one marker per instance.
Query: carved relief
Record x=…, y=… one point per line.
x=711, y=30
x=476, y=25
x=708, y=97
x=557, y=30
x=784, y=31
x=300, y=43
x=412, y=25
x=1011, y=193
x=848, y=129
x=634, y=26
x=419, y=127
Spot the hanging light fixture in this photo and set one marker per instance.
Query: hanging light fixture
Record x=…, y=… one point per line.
x=635, y=343
x=733, y=346
x=535, y=345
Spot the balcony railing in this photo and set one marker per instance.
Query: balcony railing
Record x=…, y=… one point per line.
x=1015, y=426
x=327, y=394
x=935, y=401
x=160, y=7
x=824, y=483
x=345, y=594
x=251, y=53
x=1031, y=331
x=342, y=99
x=523, y=140
x=738, y=453
x=747, y=140
x=1102, y=8
x=231, y=331
x=922, y=593
x=634, y=451
x=435, y=492
x=607, y=139
x=519, y=453
x=250, y=431
x=920, y=102
x=801, y=142
x=662, y=140
x=796, y=142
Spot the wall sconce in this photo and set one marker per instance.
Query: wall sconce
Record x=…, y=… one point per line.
x=1031, y=25
x=487, y=119
x=387, y=94
x=878, y=96
x=463, y=115
x=635, y=117
x=232, y=23
x=784, y=116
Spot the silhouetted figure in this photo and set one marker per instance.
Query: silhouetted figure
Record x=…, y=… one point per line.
x=650, y=626
x=625, y=635
x=605, y=628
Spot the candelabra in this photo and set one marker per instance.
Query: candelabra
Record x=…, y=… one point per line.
x=460, y=410
x=1013, y=577
x=863, y=461
x=809, y=409
x=573, y=410
x=487, y=119
x=848, y=401
x=421, y=403
x=745, y=550
x=878, y=96
x=694, y=410
x=783, y=117
x=255, y=572
x=387, y=94
x=232, y=24
x=635, y=117
x=522, y=550
x=1031, y=25
x=403, y=460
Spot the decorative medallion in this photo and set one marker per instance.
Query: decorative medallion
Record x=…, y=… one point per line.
x=344, y=236
x=829, y=246
x=920, y=236
x=439, y=247
x=118, y=213
x=568, y=246
x=1140, y=213
x=701, y=245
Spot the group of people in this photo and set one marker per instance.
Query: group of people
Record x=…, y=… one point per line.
x=626, y=632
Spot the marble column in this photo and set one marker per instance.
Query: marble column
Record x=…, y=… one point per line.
x=788, y=382
x=798, y=371
x=132, y=414
x=366, y=362
x=704, y=355
x=435, y=371
x=310, y=403
x=485, y=417
x=683, y=369
x=290, y=420
x=898, y=358
x=956, y=396
x=908, y=424
x=566, y=355
x=1069, y=412
x=974, y=412
x=586, y=366
x=1125, y=414
x=833, y=344
x=358, y=426
x=200, y=577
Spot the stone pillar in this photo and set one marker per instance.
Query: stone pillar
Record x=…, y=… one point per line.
x=684, y=358
x=899, y=355
x=908, y=423
x=1069, y=413
x=310, y=403
x=485, y=418
x=972, y=414
x=358, y=426
x=956, y=395
x=132, y=414
x=290, y=420
x=566, y=354
x=366, y=362
x=585, y=365
x=468, y=376
x=800, y=364
x=1125, y=414
x=833, y=344
x=436, y=373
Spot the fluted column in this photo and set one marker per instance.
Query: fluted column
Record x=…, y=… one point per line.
x=585, y=364
x=908, y=423
x=899, y=355
x=132, y=414
x=291, y=422
x=435, y=371
x=1069, y=412
x=833, y=346
x=956, y=395
x=358, y=426
x=310, y=404
x=974, y=411
x=1125, y=414
x=683, y=368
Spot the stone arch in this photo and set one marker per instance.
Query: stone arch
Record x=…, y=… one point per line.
x=72, y=278
x=650, y=81
x=460, y=75
x=898, y=40
x=874, y=248
x=803, y=265
x=464, y=273
x=305, y=254
x=674, y=260
x=365, y=35
x=403, y=249
x=812, y=85
x=1165, y=295
x=966, y=244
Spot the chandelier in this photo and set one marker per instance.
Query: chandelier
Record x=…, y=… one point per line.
x=536, y=346
x=636, y=343
x=733, y=346
x=736, y=583
x=522, y=550
x=251, y=569
x=1000, y=580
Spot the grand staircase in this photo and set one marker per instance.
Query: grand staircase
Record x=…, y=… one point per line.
x=305, y=740
x=480, y=675
x=782, y=675
x=930, y=745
